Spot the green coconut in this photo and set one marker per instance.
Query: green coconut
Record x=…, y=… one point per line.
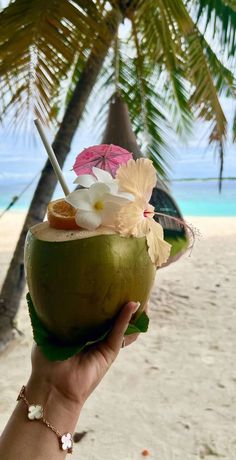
x=79, y=280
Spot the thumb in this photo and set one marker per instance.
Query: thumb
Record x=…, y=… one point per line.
x=115, y=337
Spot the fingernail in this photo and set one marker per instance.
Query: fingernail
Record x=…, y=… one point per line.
x=136, y=307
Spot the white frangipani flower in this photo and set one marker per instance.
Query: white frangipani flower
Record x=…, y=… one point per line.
x=101, y=176
x=96, y=206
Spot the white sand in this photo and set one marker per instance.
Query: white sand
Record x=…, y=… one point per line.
x=173, y=391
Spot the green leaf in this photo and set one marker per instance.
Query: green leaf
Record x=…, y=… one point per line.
x=40, y=43
x=140, y=325
x=54, y=350
x=220, y=15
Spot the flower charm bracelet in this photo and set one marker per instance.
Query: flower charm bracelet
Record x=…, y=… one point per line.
x=36, y=412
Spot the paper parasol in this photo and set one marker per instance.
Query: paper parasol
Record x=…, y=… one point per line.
x=105, y=156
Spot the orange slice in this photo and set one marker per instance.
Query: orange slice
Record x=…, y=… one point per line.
x=61, y=215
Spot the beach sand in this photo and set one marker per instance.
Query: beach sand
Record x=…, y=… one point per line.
x=173, y=391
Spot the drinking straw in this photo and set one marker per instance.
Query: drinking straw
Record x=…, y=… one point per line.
x=52, y=157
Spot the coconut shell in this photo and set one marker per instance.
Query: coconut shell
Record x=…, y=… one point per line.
x=79, y=285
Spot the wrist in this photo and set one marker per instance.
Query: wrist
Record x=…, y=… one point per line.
x=59, y=410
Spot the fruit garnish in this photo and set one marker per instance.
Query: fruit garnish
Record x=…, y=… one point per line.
x=61, y=215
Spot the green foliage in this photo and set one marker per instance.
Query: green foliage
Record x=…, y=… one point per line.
x=178, y=244
x=223, y=77
x=221, y=14
x=54, y=350
x=140, y=325
x=168, y=72
x=146, y=109
x=40, y=43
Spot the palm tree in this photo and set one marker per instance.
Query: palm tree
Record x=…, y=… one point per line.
x=14, y=282
x=167, y=74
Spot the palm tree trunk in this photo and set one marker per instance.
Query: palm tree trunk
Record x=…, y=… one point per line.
x=14, y=282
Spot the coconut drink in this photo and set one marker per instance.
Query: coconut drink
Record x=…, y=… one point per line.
x=99, y=249
x=79, y=280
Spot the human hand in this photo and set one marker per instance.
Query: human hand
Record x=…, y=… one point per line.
x=73, y=380
x=60, y=388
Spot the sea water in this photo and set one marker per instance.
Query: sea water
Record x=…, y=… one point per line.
x=18, y=168
x=198, y=198
x=202, y=198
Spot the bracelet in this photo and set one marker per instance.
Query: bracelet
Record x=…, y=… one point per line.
x=36, y=412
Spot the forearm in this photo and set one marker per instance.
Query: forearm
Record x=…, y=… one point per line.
x=32, y=439
x=61, y=388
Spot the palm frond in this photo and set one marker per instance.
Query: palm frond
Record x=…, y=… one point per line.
x=205, y=98
x=149, y=119
x=185, y=56
x=162, y=47
x=153, y=132
x=221, y=15
x=224, y=79
x=39, y=45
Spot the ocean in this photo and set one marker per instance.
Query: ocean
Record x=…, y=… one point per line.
x=18, y=168
x=203, y=199
x=193, y=198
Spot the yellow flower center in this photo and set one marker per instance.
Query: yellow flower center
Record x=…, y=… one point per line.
x=98, y=205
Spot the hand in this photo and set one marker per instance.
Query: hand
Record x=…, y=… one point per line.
x=132, y=337
x=74, y=380
x=61, y=388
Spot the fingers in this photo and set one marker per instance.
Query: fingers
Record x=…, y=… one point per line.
x=115, y=338
x=131, y=338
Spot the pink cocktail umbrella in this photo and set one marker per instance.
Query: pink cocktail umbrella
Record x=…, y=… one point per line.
x=104, y=156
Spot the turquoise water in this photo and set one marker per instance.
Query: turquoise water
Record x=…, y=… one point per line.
x=18, y=166
x=193, y=198
x=203, y=199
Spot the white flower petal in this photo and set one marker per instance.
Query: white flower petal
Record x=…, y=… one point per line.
x=158, y=248
x=127, y=196
x=101, y=175
x=97, y=191
x=113, y=186
x=80, y=199
x=114, y=190
x=88, y=219
x=121, y=200
x=86, y=180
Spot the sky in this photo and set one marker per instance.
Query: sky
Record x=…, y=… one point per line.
x=23, y=153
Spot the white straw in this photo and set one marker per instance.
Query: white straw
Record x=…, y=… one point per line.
x=52, y=157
